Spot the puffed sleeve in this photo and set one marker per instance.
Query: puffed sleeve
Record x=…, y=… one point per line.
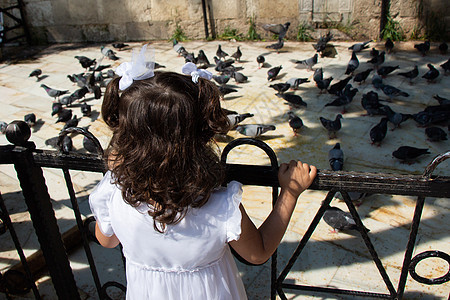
x=99, y=201
x=234, y=215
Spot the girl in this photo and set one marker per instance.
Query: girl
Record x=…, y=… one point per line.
x=162, y=197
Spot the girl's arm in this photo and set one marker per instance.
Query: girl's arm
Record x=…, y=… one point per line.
x=256, y=245
x=106, y=241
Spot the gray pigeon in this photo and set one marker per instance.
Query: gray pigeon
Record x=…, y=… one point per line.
x=3, y=126
x=323, y=84
x=353, y=64
x=239, y=77
x=423, y=48
x=359, y=46
x=378, y=132
x=389, y=45
x=86, y=109
x=237, y=55
x=67, y=144
x=441, y=100
x=30, y=119
x=36, y=73
x=336, y=157
x=89, y=145
x=395, y=118
x=67, y=100
x=344, y=98
x=221, y=79
x=220, y=53
x=332, y=126
x=64, y=115
x=295, y=82
x=362, y=76
x=307, y=63
x=293, y=100
x=407, y=153
x=52, y=92
x=277, y=46
x=339, y=220
x=377, y=60
x=377, y=81
x=318, y=74
x=202, y=59
x=410, y=74
x=392, y=92
x=279, y=29
x=71, y=123
x=280, y=87
x=56, y=108
x=260, y=60
x=85, y=62
x=435, y=134
x=236, y=118
x=295, y=122
x=371, y=104
x=107, y=52
x=273, y=73
x=386, y=70
x=254, y=130
x=432, y=74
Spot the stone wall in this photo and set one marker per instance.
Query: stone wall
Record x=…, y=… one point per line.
x=121, y=20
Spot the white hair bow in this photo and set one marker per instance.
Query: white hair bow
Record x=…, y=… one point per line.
x=141, y=67
x=191, y=69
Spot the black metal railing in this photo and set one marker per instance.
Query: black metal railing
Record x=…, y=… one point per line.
x=29, y=162
x=16, y=14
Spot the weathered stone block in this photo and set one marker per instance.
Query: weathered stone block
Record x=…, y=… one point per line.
x=84, y=12
x=64, y=34
x=96, y=33
x=40, y=13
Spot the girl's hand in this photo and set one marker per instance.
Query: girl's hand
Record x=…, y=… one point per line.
x=296, y=177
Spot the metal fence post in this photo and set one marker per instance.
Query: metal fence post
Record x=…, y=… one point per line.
x=41, y=211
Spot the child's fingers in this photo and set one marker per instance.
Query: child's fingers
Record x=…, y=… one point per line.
x=312, y=171
x=283, y=168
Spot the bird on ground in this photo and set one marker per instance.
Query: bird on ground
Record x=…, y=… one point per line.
x=56, y=108
x=64, y=115
x=225, y=90
x=260, y=60
x=377, y=60
x=353, y=64
x=86, y=109
x=279, y=29
x=336, y=88
x=85, y=62
x=294, y=101
x=224, y=65
x=67, y=144
x=236, y=118
x=377, y=81
x=329, y=51
x=336, y=158
x=371, y=104
x=71, y=123
x=323, y=84
x=318, y=74
x=432, y=73
x=407, y=153
x=30, y=119
x=52, y=92
x=280, y=87
x=120, y=46
x=392, y=92
x=178, y=47
x=189, y=57
x=386, y=70
x=322, y=42
x=435, y=134
x=446, y=66
x=426, y=118
x=273, y=73
x=443, y=47
x=332, y=126
x=202, y=58
x=296, y=82
x=389, y=45
x=410, y=74
x=80, y=93
x=67, y=100
x=3, y=126
x=340, y=220
x=277, y=46
x=374, y=52
x=37, y=73
x=295, y=122
x=107, y=52
x=221, y=79
x=220, y=53
x=306, y=63
x=441, y=100
x=254, y=130
x=378, y=132
x=89, y=145
x=359, y=46
x=344, y=98
x=362, y=76
x=237, y=55
x=99, y=68
x=423, y=48
x=239, y=77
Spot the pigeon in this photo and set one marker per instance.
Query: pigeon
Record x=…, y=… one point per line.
x=336, y=157
x=362, y=76
x=237, y=55
x=80, y=93
x=254, y=130
x=423, y=48
x=71, y=123
x=339, y=220
x=318, y=74
x=359, y=46
x=435, y=134
x=378, y=132
x=443, y=47
x=239, y=77
x=277, y=46
x=86, y=109
x=352, y=64
x=221, y=79
x=89, y=145
x=52, y=92
x=120, y=46
x=101, y=68
x=220, y=53
x=442, y=101
x=189, y=57
x=260, y=60
x=236, y=118
x=386, y=70
x=344, y=98
x=279, y=29
x=339, y=86
x=67, y=100
x=108, y=53
x=273, y=73
x=377, y=60
x=425, y=118
x=407, y=153
x=329, y=51
x=322, y=42
x=323, y=84
x=224, y=90
x=332, y=126
x=295, y=82
x=56, y=108
x=295, y=122
x=222, y=66
x=374, y=52
x=85, y=62
x=64, y=115
x=37, y=73
x=371, y=104
x=392, y=92
x=293, y=100
x=280, y=87
x=307, y=63
x=30, y=119
x=410, y=74
x=178, y=47
x=389, y=45
x=446, y=66
x=202, y=59
x=3, y=126
x=377, y=81
x=67, y=144
x=432, y=74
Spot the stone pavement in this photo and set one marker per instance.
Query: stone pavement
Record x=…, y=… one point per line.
x=330, y=259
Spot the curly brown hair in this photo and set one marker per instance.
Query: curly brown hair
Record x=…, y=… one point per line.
x=161, y=151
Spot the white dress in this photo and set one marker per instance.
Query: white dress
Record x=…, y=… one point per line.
x=190, y=260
